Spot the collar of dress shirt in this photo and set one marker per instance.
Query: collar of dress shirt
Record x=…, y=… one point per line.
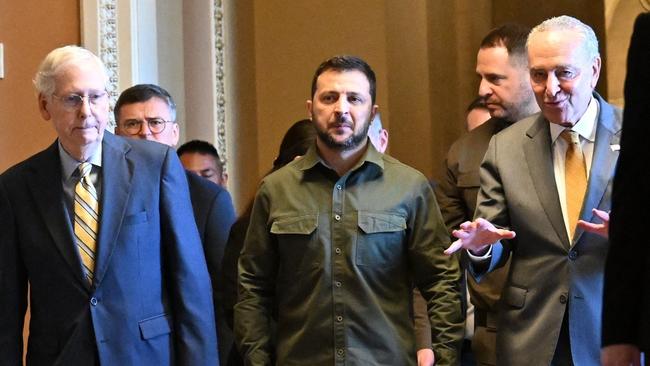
x=69, y=164
x=585, y=127
x=311, y=158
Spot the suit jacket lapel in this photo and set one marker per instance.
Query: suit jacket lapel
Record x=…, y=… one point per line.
x=45, y=184
x=117, y=172
x=603, y=161
x=539, y=158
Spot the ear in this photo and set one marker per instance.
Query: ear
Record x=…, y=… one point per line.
x=383, y=139
x=595, y=69
x=224, y=179
x=175, y=134
x=309, y=106
x=44, y=105
x=373, y=112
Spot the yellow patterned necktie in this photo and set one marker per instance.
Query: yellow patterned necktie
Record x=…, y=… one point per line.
x=86, y=220
x=575, y=178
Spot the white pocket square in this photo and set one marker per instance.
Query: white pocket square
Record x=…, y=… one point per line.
x=615, y=147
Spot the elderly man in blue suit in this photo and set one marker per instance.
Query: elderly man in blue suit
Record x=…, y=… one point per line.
x=102, y=229
x=148, y=112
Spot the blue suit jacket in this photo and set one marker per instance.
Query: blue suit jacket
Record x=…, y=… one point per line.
x=214, y=216
x=150, y=303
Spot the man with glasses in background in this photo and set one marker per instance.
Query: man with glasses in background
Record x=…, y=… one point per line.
x=102, y=229
x=148, y=112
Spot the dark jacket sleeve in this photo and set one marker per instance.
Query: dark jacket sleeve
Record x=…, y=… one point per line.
x=13, y=287
x=626, y=296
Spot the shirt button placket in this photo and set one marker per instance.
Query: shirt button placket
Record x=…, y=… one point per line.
x=338, y=260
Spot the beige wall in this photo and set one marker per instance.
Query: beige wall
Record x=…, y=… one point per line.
x=619, y=22
x=29, y=29
x=414, y=48
x=423, y=52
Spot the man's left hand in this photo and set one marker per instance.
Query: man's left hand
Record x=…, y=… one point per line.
x=600, y=229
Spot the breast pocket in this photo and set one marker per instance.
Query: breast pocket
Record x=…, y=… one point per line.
x=296, y=238
x=379, y=239
x=515, y=296
x=136, y=218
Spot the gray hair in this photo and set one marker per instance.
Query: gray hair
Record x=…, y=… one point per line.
x=567, y=23
x=44, y=80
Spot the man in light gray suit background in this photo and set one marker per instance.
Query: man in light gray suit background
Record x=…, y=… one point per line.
x=536, y=182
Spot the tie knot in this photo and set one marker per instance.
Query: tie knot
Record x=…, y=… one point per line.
x=570, y=136
x=84, y=169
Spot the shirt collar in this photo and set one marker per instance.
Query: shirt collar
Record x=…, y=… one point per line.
x=311, y=158
x=585, y=126
x=69, y=164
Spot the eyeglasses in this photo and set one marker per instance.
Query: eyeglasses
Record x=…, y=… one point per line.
x=134, y=126
x=74, y=101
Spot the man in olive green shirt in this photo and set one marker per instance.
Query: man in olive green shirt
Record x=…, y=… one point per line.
x=336, y=241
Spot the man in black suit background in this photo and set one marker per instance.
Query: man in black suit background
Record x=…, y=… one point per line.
x=148, y=112
x=626, y=305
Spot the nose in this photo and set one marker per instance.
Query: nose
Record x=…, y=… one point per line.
x=552, y=85
x=484, y=89
x=342, y=106
x=144, y=129
x=85, y=107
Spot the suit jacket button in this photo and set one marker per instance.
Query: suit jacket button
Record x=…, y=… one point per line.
x=563, y=299
x=573, y=255
x=93, y=301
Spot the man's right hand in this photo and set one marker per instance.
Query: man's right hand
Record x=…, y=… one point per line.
x=620, y=355
x=477, y=236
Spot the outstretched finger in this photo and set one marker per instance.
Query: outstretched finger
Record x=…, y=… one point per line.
x=603, y=215
x=589, y=226
x=454, y=247
x=506, y=234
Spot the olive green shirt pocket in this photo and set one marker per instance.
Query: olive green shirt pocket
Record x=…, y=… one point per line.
x=380, y=239
x=296, y=239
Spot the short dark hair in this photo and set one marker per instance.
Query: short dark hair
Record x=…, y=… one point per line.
x=346, y=63
x=141, y=93
x=200, y=147
x=296, y=141
x=478, y=103
x=512, y=36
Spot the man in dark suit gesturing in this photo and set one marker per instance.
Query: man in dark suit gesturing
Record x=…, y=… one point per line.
x=539, y=177
x=102, y=229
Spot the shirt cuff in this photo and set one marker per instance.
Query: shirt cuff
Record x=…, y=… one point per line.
x=480, y=258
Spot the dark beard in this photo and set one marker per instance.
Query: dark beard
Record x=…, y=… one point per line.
x=350, y=143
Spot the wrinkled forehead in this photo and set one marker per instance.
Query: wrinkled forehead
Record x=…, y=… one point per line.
x=559, y=44
x=84, y=73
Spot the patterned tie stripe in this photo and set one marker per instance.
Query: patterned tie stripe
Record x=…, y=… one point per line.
x=86, y=219
x=575, y=175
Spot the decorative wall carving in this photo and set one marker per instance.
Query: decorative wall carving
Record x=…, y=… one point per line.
x=220, y=92
x=108, y=47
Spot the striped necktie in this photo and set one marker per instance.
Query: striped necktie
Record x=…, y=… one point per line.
x=575, y=178
x=86, y=220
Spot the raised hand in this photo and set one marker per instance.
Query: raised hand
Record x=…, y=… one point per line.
x=600, y=229
x=477, y=236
